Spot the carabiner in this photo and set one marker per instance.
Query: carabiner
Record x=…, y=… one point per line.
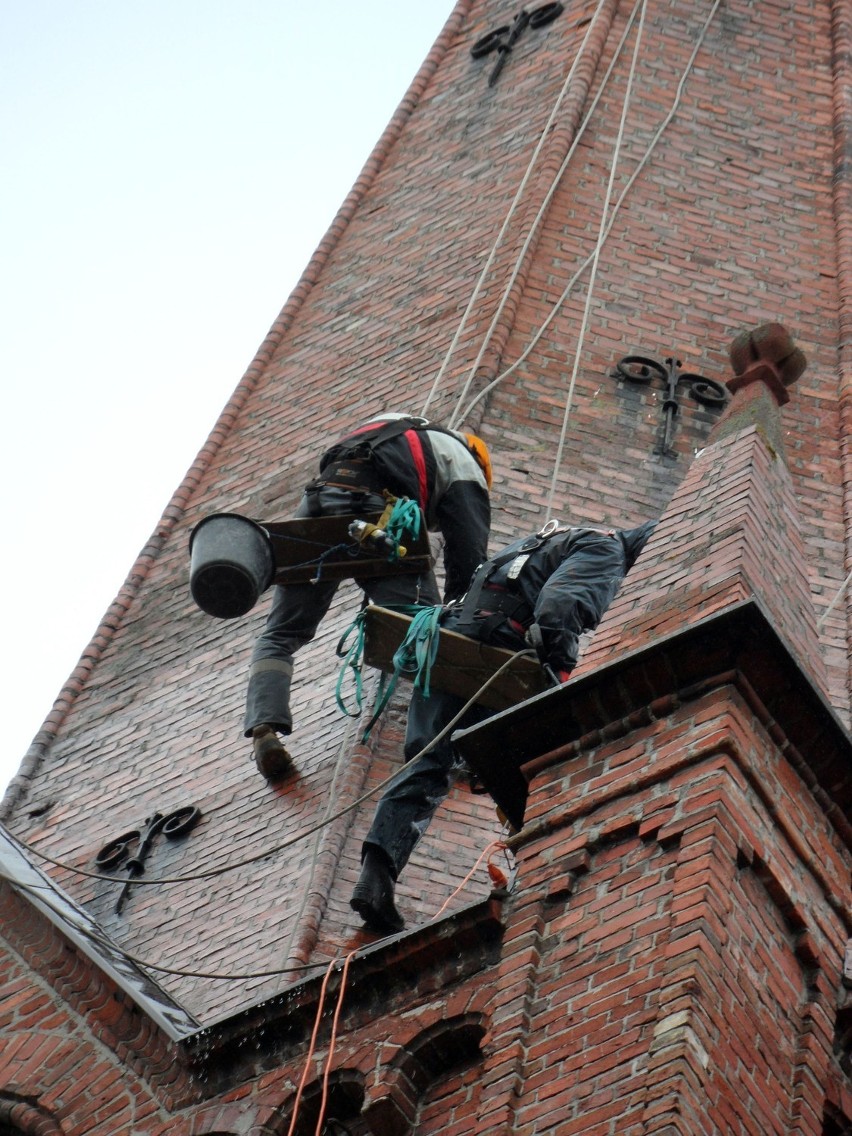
x=548, y=530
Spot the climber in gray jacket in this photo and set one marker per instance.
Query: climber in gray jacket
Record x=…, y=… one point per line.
x=447, y=473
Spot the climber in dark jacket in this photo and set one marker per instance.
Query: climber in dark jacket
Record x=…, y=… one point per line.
x=447, y=473
x=543, y=592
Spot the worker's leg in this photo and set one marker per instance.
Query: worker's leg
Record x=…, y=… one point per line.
x=296, y=612
x=407, y=806
x=408, y=803
x=295, y=615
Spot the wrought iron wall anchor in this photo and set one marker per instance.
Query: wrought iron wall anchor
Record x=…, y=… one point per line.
x=644, y=368
x=504, y=38
x=172, y=826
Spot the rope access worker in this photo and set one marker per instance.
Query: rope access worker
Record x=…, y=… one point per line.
x=542, y=592
x=447, y=473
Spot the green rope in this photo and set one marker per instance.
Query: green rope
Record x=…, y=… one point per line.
x=414, y=656
x=416, y=653
x=404, y=518
x=352, y=660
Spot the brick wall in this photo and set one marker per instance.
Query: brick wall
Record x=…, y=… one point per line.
x=736, y=217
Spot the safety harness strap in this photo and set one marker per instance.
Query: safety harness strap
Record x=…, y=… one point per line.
x=470, y=603
x=360, y=444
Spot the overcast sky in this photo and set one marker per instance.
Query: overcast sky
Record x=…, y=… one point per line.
x=168, y=169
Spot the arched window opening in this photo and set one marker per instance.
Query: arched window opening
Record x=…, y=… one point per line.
x=436, y=1073
x=343, y=1106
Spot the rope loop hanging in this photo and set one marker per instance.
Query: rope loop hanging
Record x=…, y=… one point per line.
x=352, y=661
x=413, y=658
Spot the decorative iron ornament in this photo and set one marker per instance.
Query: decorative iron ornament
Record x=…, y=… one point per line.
x=504, y=38
x=172, y=826
x=644, y=368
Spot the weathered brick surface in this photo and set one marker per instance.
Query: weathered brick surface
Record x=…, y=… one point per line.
x=731, y=532
x=683, y=938
x=672, y=947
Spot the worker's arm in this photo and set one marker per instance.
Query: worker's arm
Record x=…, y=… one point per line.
x=464, y=518
x=462, y=511
x=575, y=597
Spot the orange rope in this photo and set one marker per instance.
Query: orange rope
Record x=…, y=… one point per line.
x=494, y=846
x=332, y=1042
x=498, y=877
x=311, y=1048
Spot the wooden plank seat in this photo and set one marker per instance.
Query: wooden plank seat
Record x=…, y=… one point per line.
x=304, y=547
x=462, y=665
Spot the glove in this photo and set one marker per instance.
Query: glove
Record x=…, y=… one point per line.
x=555, y=677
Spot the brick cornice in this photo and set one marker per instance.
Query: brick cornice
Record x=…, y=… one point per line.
x=739, y=645
x=430, y=960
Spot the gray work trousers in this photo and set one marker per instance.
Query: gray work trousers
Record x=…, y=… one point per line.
x=411, y=799
x=298, y=609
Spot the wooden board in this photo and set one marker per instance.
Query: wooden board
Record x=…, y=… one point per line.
x=299, y=543
x=462, y=665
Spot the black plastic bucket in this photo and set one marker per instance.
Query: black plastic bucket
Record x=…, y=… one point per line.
x=231, y=563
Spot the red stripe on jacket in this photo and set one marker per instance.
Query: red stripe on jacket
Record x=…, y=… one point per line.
x=419, y=459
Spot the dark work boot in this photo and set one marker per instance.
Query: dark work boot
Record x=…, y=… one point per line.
x=270, y=756
x=372, y=896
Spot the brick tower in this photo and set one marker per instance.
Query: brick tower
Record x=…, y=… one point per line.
x=593, y=232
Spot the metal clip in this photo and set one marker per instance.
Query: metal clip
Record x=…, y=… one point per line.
x=548, y=530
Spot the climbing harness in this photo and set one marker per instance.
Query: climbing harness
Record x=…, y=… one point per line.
x=502, y=606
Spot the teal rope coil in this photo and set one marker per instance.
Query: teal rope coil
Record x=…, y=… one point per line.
x=418, y=650
x=405, y=518
x=414, y=656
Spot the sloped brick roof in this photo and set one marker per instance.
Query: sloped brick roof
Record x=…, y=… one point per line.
x=51, y=904
x=151, y=719
x=731, y=531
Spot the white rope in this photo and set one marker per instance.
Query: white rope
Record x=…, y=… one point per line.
x=455, y=418
x=571, y=283
x=833, y=603
x=515, y=202
x=616, y=153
